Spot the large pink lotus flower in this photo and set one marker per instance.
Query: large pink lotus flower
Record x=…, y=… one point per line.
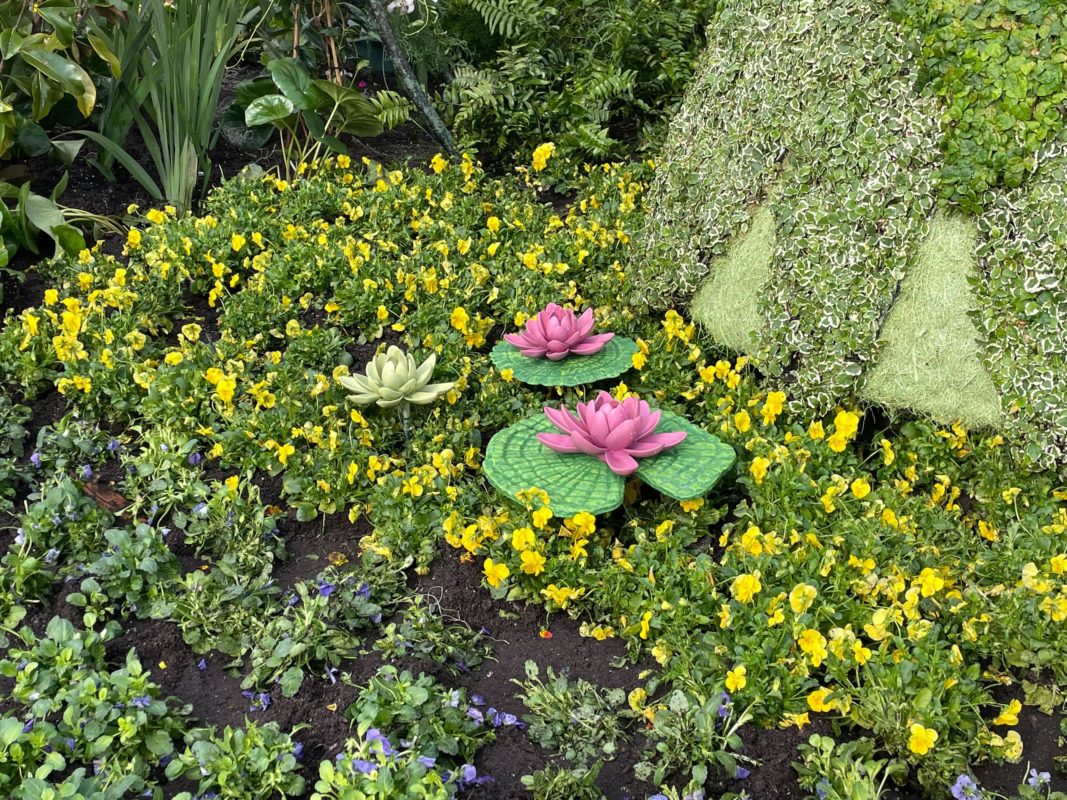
x=556, y=333
x=616, y=433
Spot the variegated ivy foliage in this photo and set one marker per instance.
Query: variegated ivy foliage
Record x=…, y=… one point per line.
x=1023, y=306
x=817, y=102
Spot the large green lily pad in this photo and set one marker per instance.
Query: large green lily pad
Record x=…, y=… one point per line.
x=614, y=359
x=516, y=460
x=688, y=470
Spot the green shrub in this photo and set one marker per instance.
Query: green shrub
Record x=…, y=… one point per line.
x=592, y=76
x=1000, y=69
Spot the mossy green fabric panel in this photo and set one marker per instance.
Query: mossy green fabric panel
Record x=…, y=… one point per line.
x=1021, y=311
x=728, y=304
x=930, y=360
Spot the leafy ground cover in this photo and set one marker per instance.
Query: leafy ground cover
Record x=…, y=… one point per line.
x=221, y=576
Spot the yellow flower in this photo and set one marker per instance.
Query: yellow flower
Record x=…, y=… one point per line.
x=801, y=598
x=1013, y=746
x=542, y=154
x=922, y=739
x=888, y=456
x=930, y=583
x=759, y=467
x=1010, y=714
x=155, y=216
x=860, y=488
x=225, y=387
x=173, y=358
x=837, y=442
x=541, y=517
x=745, y=587
x=817, y=701
x=493, y=224
x=439, y=164
x=735, y=679
x=522, y=538
x=561, y=595
x=133, y=239
x=459, y=319
x=742, y=421
x=495, y=573
x=987, y=531
x=813, y=644
x=51, y=297
x=772, y=407
x=583, y=523
x=646, y=620
x=533, y=563
x=816, y=430
x=284, y=451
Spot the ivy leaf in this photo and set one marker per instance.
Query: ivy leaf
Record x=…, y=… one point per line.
x=613, y=360
x=516, y=460
x=690, y=469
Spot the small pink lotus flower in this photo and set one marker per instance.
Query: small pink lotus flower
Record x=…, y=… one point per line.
x=556, y=333
x=616, y=433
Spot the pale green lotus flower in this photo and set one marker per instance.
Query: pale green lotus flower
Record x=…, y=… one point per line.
x=393, y=378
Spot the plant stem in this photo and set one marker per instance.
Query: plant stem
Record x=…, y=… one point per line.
x=411, y=84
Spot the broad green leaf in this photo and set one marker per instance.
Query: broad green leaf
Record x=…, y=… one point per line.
x=102, y=49
x=273, y=109
x=68, y=239
x=42, y=213
x=612, y=361
x=516, y=460
x=690, y=469
x=71, y=78
x=247, y=91
x=293, y=81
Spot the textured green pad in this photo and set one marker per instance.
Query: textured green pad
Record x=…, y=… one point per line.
x=516, y=460
x=690, y=469
x=728, y=303
x=929, y=360
x=613, y=360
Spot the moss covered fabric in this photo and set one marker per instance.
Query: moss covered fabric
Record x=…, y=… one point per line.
x=798, y=185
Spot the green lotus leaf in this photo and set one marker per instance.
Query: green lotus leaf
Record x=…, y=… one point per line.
x=516, y=460
x=690, y=469
x=610, y=362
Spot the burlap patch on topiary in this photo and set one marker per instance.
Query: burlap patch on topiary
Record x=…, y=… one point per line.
x=929, y=360
x=728, y=303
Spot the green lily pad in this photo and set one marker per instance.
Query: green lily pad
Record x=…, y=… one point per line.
x=613, y=360
x=516, y=460
x=690, y=469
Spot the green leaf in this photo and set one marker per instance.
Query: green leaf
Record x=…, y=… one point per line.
x=291, y=680
x=690, y=469
x=612, y=361
x=68, y=75
x=293, y=81
x=159, y=743
x=273, y=109
x=516, y=460
x=68, y=239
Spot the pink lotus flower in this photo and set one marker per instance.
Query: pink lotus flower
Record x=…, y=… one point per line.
x=556, y=333
x=616, y=433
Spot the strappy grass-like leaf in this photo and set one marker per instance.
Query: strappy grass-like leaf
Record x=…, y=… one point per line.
x=612, y=361
x=516, y=460
x=689, y=469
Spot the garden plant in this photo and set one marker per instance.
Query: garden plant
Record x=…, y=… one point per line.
x=579, y=464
